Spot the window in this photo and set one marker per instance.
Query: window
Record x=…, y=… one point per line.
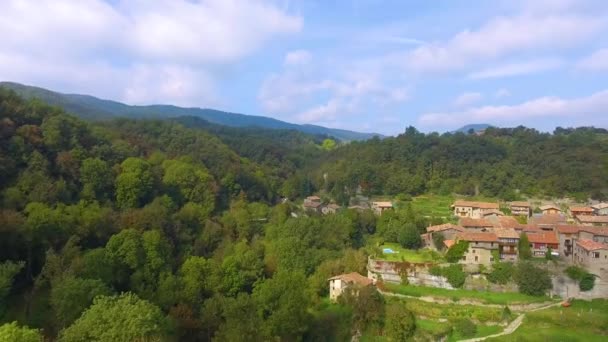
x=476, y=258
x=473, y=251
x=596, y=255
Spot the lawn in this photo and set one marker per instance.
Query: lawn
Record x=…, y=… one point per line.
x=409, y=255
x=433, y=205
x=583, y=321
x=500, y=298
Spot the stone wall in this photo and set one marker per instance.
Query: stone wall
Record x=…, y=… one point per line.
x=416, y=273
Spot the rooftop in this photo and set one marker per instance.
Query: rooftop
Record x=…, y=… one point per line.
x=600, y=206
x=504, y=222
x=592, y=219
x=547, y=219
x=493, y=212
x=549, y=206
x=582, y=209
x=353, y=278
x=520, y=204
x=548, y=238
x=478, y=237
x=597, y=231
x=445, y=226
x=568, y=229
x=384, y=204
x=502, y=233
x=471, y=222
x=481, y=205
x=591, y=245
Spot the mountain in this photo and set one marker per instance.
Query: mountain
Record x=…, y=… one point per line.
x=92, y=108
x=474, y=127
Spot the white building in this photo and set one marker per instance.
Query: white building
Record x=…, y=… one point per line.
x=339, y=283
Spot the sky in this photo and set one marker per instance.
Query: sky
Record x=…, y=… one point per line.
x=364, y=65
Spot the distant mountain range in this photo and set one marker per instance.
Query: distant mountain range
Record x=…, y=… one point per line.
x=474, y=127
x=92, y=108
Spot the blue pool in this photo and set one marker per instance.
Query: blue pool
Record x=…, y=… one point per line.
x=388, y=251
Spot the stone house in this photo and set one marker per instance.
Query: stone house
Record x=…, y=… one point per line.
x=338, y=284
x=475, y=224
x=596, y=234
x=600, y=209
x=508, y=240
x=481, y=246
x=591, y=255
x=380, y=207
x=541, y=242
x=581, y=210
x=331, y=208
x=586, y=220
x=520, y=208
x=312, y=203
x=550, y=209
x=567, y=235
x=548, y=222
x=473, y=209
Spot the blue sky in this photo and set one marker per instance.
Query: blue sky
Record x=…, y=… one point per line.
x=365, y=65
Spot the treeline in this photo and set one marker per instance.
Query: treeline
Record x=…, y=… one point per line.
x=505, y=163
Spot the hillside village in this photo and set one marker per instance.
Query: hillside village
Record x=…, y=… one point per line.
x=575, y=235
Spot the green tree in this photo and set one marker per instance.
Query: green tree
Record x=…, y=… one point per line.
x=71, y=296
x=502, y=273
x=400, y=323
x=328, y=144
x=367, y=306
x=97, y=178
x=456, y=252
x=409, y=237
x=196, y=279
x=282, y=302
x=13, y=332
x=134, y=184
x=241, y=323
x=525, y=252
x=8, y=271
x=532, y=280
x=119, y=318
x=190, y=183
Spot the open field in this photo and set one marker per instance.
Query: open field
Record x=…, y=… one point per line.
x=583, y=321
x=409, y=255
x=433, y=205
x=500, y=298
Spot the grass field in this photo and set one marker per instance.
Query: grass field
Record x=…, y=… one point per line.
x=501, y=298
x=583, y=321
x=433, y=205
x=408, y=255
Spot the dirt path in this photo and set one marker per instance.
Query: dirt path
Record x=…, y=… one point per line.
x=512, y=326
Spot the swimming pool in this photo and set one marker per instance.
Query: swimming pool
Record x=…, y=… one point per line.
x=389, y=251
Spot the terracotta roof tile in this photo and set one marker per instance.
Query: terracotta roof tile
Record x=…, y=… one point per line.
x=592, y=219
x=479, y=237
x=568, y=229
x=449, y=243
x=502, y=233
x=445, y=226
x=353, y=278
x=600, y=206
x=520, y=204
x=582, y=209
x=548, y=238
x=471, y=222
x=591, y=245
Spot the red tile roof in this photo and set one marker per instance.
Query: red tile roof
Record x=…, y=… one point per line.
x=549, y=206
x=547, y=219
x=590, y=245
x=548, y=238
x=520, y=204
x=478, y=237
x=603, y=231
x=481, y=205
x=592, y=219
x=568, y=229
x=582, y=209
x=353, y=278
x=449, y=243
x=445, y=226
x=471, y=222
x=502, y=233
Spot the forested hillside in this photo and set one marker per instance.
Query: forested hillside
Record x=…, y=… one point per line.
x=507, y=163
x=166, y=232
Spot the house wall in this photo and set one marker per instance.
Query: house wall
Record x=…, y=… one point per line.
x=477, y=255
x=336, y=287
x=566, y=250
x=467, y=212
x=602, y=212
x=551, y=211
x=594, y=261
x=520, y=211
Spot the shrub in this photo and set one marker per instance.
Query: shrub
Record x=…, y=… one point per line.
x=506, y=313
x=455, y=253
x=532, y=280
x=502, y=273
x=465, y=327
x=587, y=282
x=575, y=272
x=453, y=273
x=438, y=241
x=524, y=247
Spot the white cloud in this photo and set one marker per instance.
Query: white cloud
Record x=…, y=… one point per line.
x=164, y=50
x=298, y=57
x=502, y=92
x=596, y=61
x=592, y=108
x=519, y=68
x=467, y=99
x=501, y=36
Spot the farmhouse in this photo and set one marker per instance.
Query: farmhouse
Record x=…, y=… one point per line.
x=585, y=211
x=591, y=255
x=380, y=207
x=550, y=209
x=520, y=208
x=600, y=209
x=312, y=203
x=480, y=249
x=541, y=242
x=473, y=209
x=338, y=284
x=586, y=220
x=475, y=224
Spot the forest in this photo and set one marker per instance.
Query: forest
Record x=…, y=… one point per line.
x=167, y=230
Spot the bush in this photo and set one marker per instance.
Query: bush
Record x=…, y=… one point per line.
x=506, y=313
x=455, y=253
x=502, y=273
x=575, y=272
x=438, y=240
x=587, y=282
x=466, y=328
x=532, y=280
x=453, y=273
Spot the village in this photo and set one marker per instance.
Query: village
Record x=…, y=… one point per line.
x=576, y=235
